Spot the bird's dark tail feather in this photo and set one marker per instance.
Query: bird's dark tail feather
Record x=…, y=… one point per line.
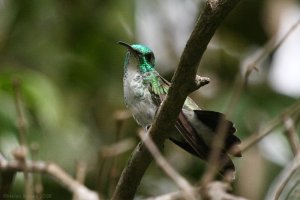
x=215, y=121
x=194, y=144
x=226, y=163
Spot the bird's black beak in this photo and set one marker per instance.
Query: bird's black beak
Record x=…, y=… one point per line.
x=124, y=44
x=128, y=46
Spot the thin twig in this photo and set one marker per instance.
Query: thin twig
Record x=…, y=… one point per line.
x=295, y=108
x=286, y=176
x=291, y=169
x=271, y=46
x=120, y=117
x=117, y=148
x=177, y=195
x=182, y=183
x=114, y=150
x=102, y=175
x=37, y=178
x=80, y=175
x=6, y=178
x=21, y=119
x=292, y=134
x=80, y=171
x=219, y=191
x=240, y=82
x=214, y=163
x=2, y=159
x=62, y=177
x=22, y=156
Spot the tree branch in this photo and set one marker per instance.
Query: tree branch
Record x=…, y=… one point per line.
x=183, y=83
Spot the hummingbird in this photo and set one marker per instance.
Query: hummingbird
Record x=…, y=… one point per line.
x=194, y=130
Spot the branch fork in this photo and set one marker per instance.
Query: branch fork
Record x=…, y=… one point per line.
x=201, y=81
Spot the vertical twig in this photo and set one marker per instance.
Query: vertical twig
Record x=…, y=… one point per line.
x=214, y=163
x=108, y=163
x=2, y=159
x=80, y=171
x=80, y=175
x=20, y=116
x=21, y=153
x=101, y=178
x=120, y=117
x=291, y=134
x=6, y=178
x=37, y=178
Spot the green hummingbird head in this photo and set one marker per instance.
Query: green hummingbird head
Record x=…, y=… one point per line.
x=143, y=54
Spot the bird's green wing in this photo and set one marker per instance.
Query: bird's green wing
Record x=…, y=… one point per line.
x=158, y=86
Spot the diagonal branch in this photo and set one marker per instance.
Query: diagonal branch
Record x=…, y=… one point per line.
x=270, y=47
x=182, y=183
x=183, y=83
x=254, y=138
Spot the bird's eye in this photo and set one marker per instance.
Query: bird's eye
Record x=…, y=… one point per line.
x=149, y=57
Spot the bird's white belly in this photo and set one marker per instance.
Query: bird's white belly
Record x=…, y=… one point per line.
x=138, y=100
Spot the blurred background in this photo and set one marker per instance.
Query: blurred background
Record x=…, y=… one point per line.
x=70, y=69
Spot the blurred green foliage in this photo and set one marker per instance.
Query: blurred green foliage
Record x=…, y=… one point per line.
x=65, y=55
